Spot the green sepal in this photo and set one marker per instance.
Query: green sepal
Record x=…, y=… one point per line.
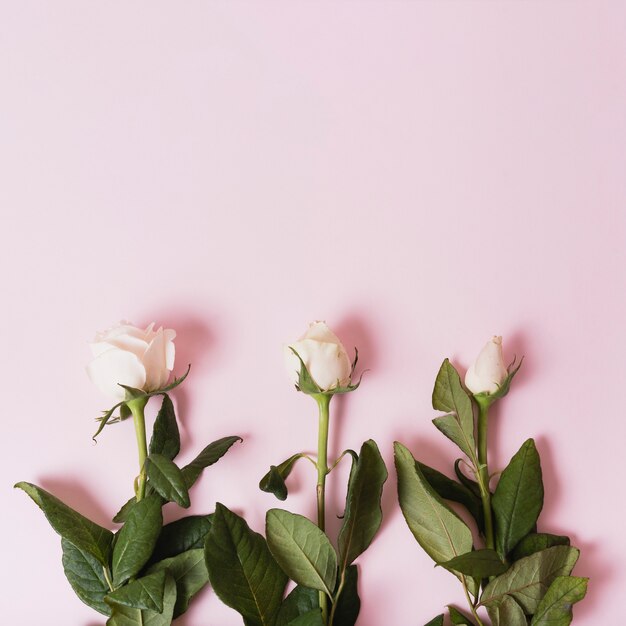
x=487, y=399
x=143, y=593
x=71, y=525
x=274, y=481
x=307, y=384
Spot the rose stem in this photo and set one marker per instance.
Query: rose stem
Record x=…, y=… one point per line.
x=483, y=470
x=136, y=407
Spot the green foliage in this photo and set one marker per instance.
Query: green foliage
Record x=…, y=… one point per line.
x=274, y=480
x=143, y=593
x=437, y=621
x=363, y=514
x=184, y=534
x=555, y=608
x=477, y=564
x=300, y=601
x=241, y=569
x=449, y=396
x=137, y=538
x=209, y=455
x=518, y=498
x=507, y=612
x=348, y=603
x=165, y=436
x=534, y=542
x=167, y=480
x=302, y=550
x=77, y=529
x=458, y=618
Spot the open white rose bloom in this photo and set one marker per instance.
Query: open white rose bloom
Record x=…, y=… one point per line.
x=131, y=356
x=324, y=356
x=488, y=371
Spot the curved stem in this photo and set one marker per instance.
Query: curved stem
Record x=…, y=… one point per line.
x=323, y=402
x=483, y=471
x=471, y=604
x=137, y=407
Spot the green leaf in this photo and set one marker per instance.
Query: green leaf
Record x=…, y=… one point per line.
x=363, y=515
x=555, y=609
x=312, y=618
x=300, y=601
x=128, y=616
x=349, y=603
x=477, y=564
x=241, y=569
x=441, y=532
x=274, y=480
x=86, y=575
x=472, y=485
x=122, y=514
x=165, y=436
x=507, y=612
x=77, y=529
x=189, y=571
x=210, y=455
x=144, y=593
x=184, y=534
x=458, y=618
x=167, y=479
x=518, y=498
x=302, y=550
x=528, y=579
x=451, y=490
x=136, y=539
x=449, y=396
x=438, y=621
x=534, y=542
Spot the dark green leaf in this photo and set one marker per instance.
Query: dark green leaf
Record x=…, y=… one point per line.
x=85, y=573
x=211, y=454
x=312, y=618
x=167, y=479
x=144, y=593
x=122, y=514
x=439, y=530
x=165, y=436
x=458, y=618
x=300, y=601
x=136, y=539
x=241, y=569
x=182, y=535
x=302, y=550
x=274, y=480
x=534, y=542
x=555, y=609
x=518, y=498
x=528, y=579
x=349, y=603
x=472, y=485
x=128, y=616
x=363, y=515
x=449, y=396
x=189, y=571
x=77, y=529
x=438, y=621
x=477, y=564
x=451, y=490
x=507, y=612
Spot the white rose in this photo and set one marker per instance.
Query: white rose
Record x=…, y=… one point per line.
x=131, y=356
x=488, y=371
x=324, y=356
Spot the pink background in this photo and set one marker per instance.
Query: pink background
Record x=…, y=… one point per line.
x=422, y=175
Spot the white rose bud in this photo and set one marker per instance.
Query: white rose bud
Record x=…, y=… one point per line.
x=323, y=355
x=130, y=356
x=488, y=371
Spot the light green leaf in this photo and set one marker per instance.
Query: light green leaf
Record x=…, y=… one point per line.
x=477, y=564
x=165, y=435
x=518, y=498
x=210, y=455
x=441, y=532
x=507, y=612
x=71, y=525
x=449, y=396
x=144, y=593
x=184, y=534
x=534, y=542
x=363, y=515
x=86, y=575
x=302, y=550
x=528, y=579
x=167, y=479
x=241, y=569
x=136, y=539
x=189, y=571
x=555, y=609
x=128, y=616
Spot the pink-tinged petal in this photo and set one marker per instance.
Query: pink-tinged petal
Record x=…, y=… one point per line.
x=154, y=361
x=320, y=332
x=170, y=349
x=115, y=367
x=328, y=363
x=129, y=343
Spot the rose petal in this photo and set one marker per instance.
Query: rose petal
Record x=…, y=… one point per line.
x=154, y=361
x=113, y=367
x=327, y=363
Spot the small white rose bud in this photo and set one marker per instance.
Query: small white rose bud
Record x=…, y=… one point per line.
x=323, y=355
x=488, y=371
x=133, y=357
